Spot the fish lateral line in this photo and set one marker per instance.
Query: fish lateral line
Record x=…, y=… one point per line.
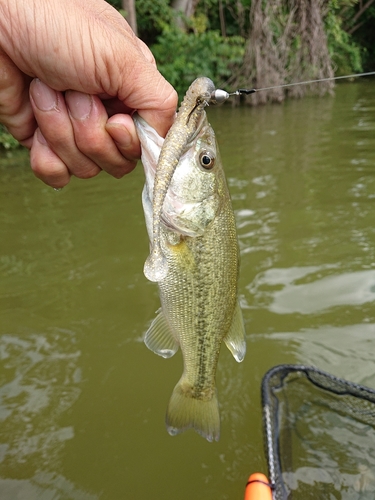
x=219, y=96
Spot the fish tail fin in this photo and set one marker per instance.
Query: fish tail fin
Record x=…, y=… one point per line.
x=185, y=411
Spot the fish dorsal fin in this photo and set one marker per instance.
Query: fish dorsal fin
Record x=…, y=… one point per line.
x=159, y=337
x=235, y=338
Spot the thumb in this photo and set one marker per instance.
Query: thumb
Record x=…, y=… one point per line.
x=156, y=101
x=149, y=93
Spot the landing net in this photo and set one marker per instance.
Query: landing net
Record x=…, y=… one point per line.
x=319, y=435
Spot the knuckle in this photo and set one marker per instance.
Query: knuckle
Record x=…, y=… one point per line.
x=89, y=145
x=46, y=165
x=49, y=172
x=42, y=168
x=128, y=167
x=86, y=171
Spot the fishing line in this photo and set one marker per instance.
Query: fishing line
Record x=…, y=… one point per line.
x=219, y=96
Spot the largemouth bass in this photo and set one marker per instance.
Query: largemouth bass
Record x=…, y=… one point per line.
x=194, y=258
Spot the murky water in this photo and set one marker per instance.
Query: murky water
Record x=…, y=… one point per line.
x=82, y=400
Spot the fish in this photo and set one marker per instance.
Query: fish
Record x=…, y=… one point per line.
x=194, y=258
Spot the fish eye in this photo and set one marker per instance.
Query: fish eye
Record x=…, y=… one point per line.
x=206, y=160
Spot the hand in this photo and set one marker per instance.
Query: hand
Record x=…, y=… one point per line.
x=65, y=68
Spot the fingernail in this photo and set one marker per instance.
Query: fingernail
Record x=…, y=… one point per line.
x=44, y=97
x=79, y=105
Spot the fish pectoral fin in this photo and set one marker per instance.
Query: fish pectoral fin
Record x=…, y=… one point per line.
x=159, y=337
x=235, y=338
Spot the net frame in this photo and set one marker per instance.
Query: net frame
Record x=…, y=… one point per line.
x=273, y=380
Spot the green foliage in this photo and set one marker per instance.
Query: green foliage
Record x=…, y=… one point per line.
x=201, y=50
x=182, y=56
x=7, y=141
x=116, y=3
x=346, y=54
x=359, y=20
x=235, y=13
x=152, y=15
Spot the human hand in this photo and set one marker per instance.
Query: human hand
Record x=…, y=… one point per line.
x=65, y=68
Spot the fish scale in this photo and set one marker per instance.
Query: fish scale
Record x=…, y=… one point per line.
x=207, y=309
x=198, y=251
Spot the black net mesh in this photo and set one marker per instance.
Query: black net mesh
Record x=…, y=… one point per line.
x=320, y=435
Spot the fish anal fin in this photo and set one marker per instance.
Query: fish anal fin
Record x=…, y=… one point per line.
x=235, y=338
x=159, y=337
x=185, y=411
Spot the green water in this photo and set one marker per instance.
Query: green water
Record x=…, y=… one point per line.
x=82, y=400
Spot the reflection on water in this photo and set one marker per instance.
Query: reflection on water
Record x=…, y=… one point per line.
x=40, y=376
x=82, y=401
x=327, y=436
x=42, y=486
x=40, y=380
x=361, y=481
x=287, y=290
x=346, y=351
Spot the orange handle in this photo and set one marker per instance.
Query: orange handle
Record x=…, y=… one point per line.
x=258, y=488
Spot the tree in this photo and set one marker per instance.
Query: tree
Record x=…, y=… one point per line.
x=184, y=9
x=130, y=14
x=357, y=20
x=287, y=43
x=354, y=22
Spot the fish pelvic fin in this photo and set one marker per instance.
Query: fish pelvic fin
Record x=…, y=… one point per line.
x=159, y=337
x=186, y=411
x=235, y=338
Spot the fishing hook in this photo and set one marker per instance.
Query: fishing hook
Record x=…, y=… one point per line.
x=198, y=102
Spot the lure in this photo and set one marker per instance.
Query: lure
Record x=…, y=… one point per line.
x=219, y=96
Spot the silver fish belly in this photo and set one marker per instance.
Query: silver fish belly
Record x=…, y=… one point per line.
x=196, y=238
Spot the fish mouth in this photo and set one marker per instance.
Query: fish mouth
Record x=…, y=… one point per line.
x=177, y=217
x=151, y=144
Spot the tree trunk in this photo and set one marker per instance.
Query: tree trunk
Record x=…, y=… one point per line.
x=186, y=8
x=287, y=44
x=130, y=14
x=222, y=20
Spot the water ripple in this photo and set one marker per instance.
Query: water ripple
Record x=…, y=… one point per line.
x=302, y=290
x=40, y=379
